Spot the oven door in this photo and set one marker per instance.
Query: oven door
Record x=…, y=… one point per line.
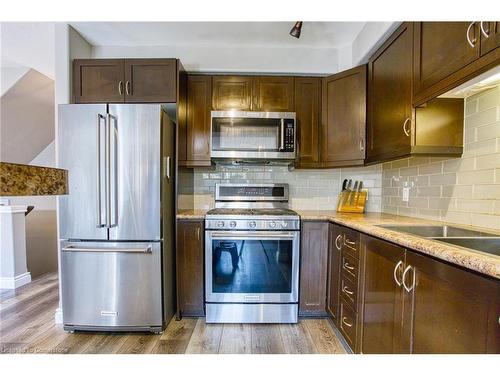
x=253, y=135
x=252, y=267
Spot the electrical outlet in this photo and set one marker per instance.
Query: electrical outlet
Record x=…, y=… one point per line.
x=406, y=194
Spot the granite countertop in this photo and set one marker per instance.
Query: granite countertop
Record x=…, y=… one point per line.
x=368, y=223
x=25, y=180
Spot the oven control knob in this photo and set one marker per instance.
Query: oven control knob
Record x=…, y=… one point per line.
x=284, y=224
x=232, y=224
x=272, y=224
x=252, y=224
x=220, y=224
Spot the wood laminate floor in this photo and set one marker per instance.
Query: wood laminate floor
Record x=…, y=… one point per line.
x=27, y=326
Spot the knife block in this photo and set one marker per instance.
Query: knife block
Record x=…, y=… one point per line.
x=352, y=201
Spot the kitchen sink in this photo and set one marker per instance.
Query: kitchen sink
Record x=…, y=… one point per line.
x=430, y=231
x=485, y=245
x=472, y=239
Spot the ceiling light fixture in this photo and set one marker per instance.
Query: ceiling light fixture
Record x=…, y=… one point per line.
x=295, y=32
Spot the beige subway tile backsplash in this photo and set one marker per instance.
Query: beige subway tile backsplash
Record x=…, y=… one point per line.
x=462, y=190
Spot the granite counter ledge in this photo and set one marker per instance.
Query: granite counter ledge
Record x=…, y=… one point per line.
x=191, y=214
x=369, y=223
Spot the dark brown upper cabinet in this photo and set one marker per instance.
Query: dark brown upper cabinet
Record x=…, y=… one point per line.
x=344, y=118
x=232, y=93
x=447, y=54
x=395, y=128
x=490, y=36
x=313, y=268
x=99, y=81
x=125, y=80
x=307, y=111
x=253, y=93
x=390, y=97
x=199, y=101
x=189, y=255
x=272, y=93
x=150, y=80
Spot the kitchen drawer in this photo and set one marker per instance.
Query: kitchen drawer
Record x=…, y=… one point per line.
x=349, y=291
x=350, y=242
x=350, y=267
x=348, y=324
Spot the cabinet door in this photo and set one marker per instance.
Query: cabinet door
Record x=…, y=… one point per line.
x=151, y=80
x=344, y=118
x=98, y=81
x=313, y=268
x=449, y=309
x=190, y=296
x=390, y=97
x=199, y=99
x=382, y=305
x=273, y=94
x=307, y=109
x=334, y=272
x=232, y=92
x=490, y=36
x=442, y=48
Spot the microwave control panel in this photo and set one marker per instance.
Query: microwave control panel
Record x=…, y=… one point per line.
x=289, y=136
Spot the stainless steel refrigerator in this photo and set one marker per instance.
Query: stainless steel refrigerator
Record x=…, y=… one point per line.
x=116, y=225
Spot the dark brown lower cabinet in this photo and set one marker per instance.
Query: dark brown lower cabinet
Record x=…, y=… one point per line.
x=313, y=268
x=449, y=309
x=382, y=307
x=334, y=269
x=190, y=275
x=413, y=303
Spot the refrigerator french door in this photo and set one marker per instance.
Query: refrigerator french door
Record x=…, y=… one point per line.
x=117, y=217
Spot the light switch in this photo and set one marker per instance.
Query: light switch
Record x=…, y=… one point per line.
x=406, y=194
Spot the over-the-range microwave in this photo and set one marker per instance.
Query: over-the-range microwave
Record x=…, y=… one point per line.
x=253, y=136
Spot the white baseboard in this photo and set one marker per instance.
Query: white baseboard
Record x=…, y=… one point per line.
x=15, y=282
x=58, y=316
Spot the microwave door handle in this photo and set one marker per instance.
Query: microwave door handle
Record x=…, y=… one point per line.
x=282, y=135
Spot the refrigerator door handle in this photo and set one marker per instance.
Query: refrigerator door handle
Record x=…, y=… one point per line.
x=76, y=249
x=99, y=223
x=112, y=193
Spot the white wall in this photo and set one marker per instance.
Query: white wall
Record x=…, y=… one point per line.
x=29, y=44
x=9, y=75
x=249, y=59
x=369, y=39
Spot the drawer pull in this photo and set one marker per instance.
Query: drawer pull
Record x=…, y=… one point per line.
x=346, y=265
x=352, y=243
x=344, y=321
x=345, y=290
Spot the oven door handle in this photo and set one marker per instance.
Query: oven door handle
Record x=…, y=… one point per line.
x=250, y=236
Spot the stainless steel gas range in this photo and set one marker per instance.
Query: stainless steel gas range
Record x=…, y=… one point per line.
x=252, y=255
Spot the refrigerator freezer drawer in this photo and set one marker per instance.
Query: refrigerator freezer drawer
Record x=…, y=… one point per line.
x=111, y=285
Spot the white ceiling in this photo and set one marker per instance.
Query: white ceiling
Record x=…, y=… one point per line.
x=314, y=34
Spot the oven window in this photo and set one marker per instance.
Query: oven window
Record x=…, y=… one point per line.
x=251, y=266
x=245, y=134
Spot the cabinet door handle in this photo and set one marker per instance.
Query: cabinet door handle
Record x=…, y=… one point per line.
x=120, y=87
x=198, y=233
x=346, y=265
x=344, y=320
x=345, y=290
x=408, y=288
x=472, y=42
x=405, y=130
x=483, y=31
x=399, y=264
x=361, y=144
x=337, y=242
x=127, y=87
